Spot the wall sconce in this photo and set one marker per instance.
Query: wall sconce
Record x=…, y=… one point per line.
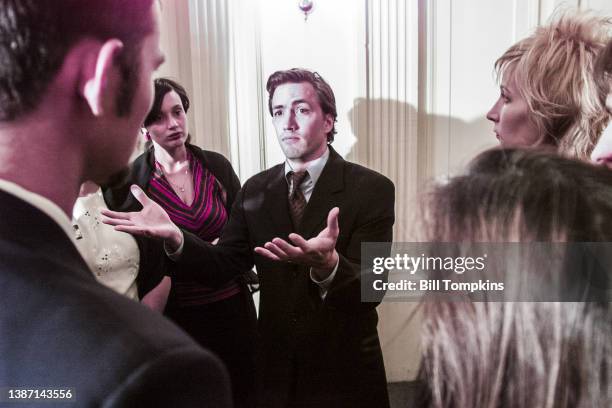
x=306, y=7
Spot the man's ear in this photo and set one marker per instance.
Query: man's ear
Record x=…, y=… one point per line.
x=329, y=122
x=97, y=83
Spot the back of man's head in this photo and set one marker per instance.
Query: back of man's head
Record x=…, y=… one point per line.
x=35, y=36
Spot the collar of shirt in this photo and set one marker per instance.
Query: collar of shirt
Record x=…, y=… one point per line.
x=85, y=203
x=43, y=204
x=314, y=168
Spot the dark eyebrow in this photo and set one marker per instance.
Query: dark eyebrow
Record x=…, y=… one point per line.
x=296, y=102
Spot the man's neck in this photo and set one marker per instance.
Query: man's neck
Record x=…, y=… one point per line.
x=33, y=158
x=302, y=164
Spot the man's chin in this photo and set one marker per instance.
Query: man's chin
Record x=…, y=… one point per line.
x=292, y=153
x=116, y=179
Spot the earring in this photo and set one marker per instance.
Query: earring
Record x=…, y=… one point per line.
x=145, y=133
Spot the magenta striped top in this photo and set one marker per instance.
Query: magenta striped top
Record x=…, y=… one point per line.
x=205, y=217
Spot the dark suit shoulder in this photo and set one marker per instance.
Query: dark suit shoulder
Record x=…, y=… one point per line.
x=354, y=170
x=368, y=181
x=262, y=179
x=188, y=377
x=213, y=157
x=76, y=333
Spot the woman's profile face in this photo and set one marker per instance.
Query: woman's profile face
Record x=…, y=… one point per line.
x=169, y=129
x=511, y=117
x=602, y=154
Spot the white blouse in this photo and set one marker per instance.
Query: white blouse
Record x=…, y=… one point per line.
x=112, y=256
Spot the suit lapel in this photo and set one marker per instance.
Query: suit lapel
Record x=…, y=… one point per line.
x=324, y=196
x=276, y=202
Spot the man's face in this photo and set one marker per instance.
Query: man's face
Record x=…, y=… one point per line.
x=301, y=126
x=123, y=130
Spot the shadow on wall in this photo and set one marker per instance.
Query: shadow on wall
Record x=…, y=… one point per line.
x=397, y=145
x=453, y=142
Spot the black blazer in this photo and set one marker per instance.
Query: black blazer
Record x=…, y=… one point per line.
x=317, y=353
x=62, y=329
x=120, y=198
x=153, y=262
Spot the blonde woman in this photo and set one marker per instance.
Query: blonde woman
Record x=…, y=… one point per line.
x=548, y=95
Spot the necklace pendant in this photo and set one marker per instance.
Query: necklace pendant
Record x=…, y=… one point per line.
x=182, y=189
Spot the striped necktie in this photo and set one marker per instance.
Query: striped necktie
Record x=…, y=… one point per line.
x=297, y=201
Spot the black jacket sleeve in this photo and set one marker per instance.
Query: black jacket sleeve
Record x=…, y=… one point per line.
x=374, y=224
x=217, y=264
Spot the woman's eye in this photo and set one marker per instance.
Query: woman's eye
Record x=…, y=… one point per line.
x=277, y=113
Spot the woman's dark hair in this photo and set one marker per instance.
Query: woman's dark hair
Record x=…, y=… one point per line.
x=325, y=94
x=515, y=354
x=162, y=86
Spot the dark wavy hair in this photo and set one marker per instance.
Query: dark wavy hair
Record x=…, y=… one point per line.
x=162, y=86
x=325, y=95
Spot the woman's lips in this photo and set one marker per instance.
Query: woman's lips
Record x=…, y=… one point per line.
x=605, y=161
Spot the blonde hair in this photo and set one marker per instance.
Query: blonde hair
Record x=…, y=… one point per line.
x=553, y=70
x=603, y=72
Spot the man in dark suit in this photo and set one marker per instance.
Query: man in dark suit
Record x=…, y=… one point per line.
x=318, y=343
x=75, y=85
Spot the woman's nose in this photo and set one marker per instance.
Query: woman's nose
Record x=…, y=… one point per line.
x=493, y=113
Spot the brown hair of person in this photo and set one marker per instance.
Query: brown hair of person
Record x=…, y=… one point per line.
x=519, y=354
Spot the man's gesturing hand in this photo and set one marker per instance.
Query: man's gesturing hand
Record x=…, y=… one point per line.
x=318, y=252
x=152, y=221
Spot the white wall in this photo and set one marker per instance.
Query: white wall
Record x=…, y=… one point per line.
x=329, y=42
x=413, y=81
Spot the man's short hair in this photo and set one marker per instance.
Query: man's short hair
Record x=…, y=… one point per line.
x=36, y=35
x=325, y=95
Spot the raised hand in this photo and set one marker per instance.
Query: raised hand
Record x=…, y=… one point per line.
x=318, y=252
x=152, y=221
